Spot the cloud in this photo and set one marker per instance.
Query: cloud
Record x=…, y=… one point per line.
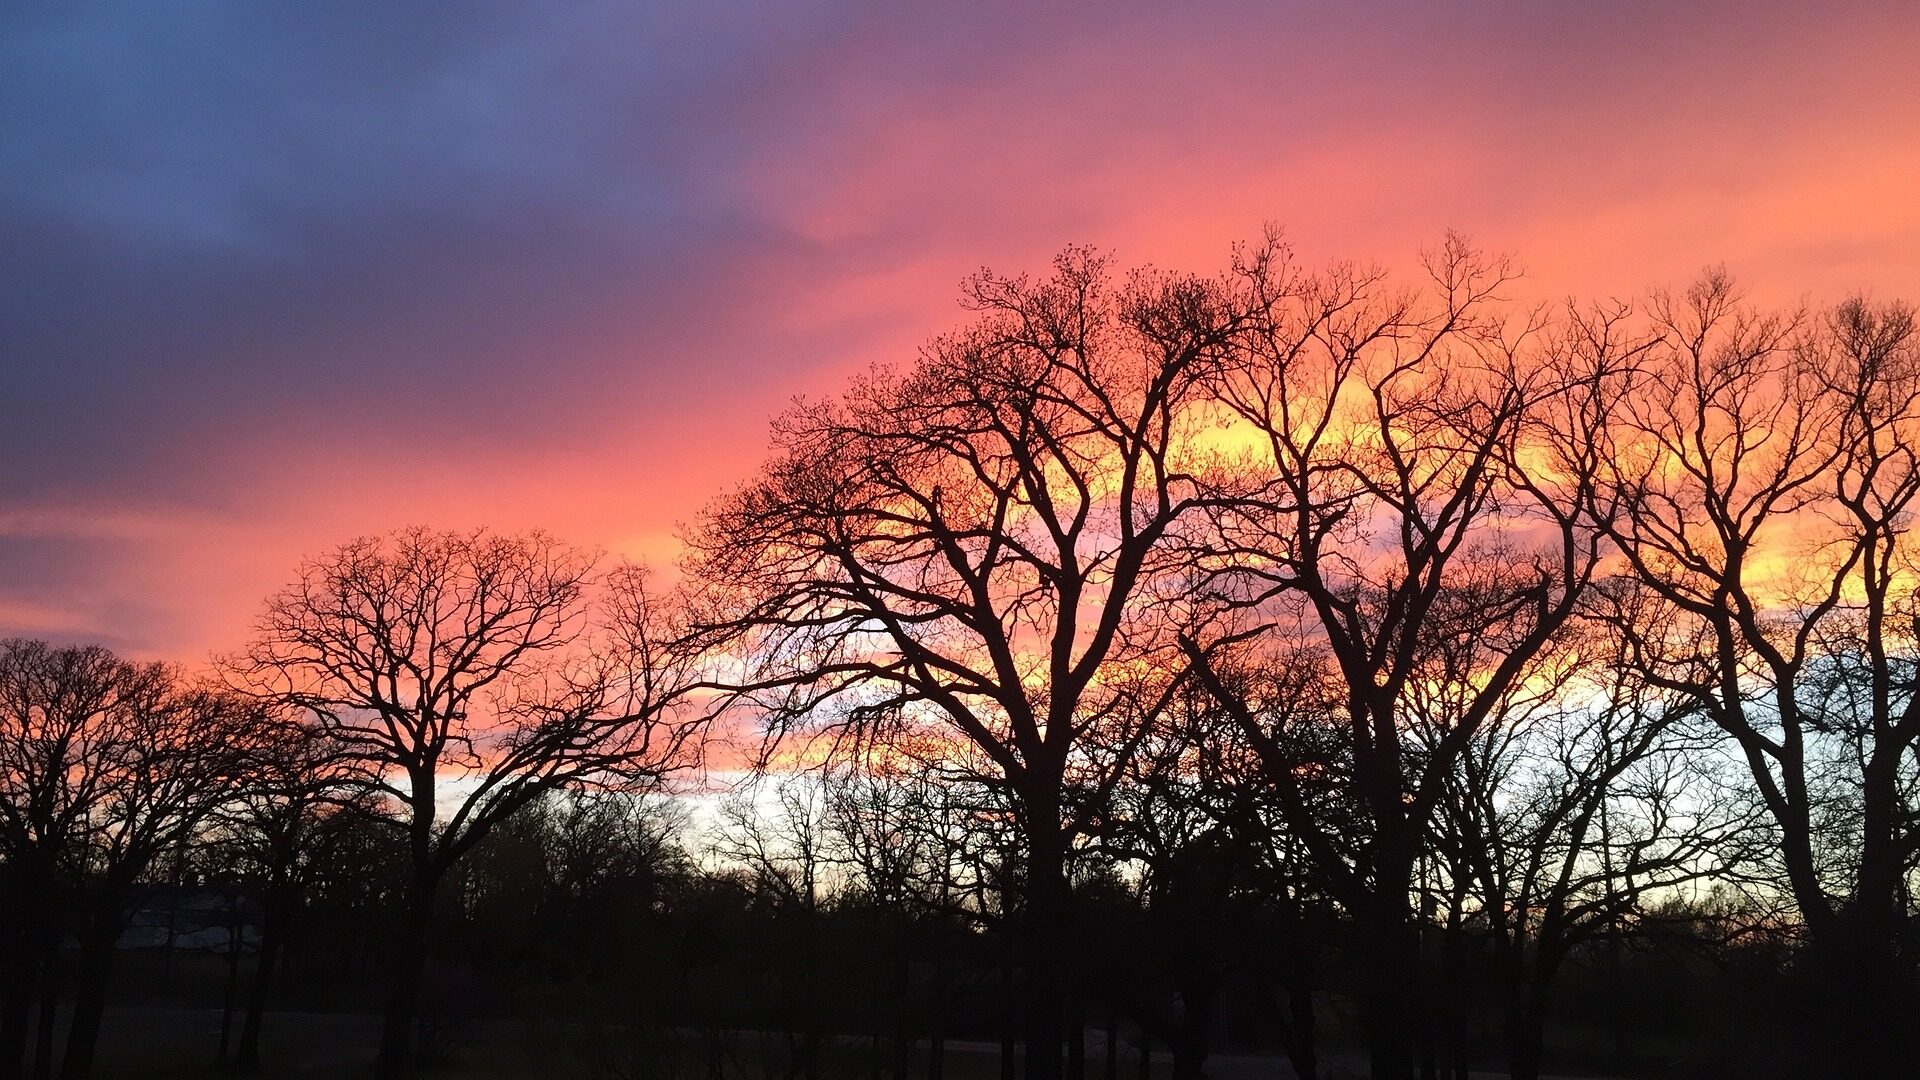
x=283, y=274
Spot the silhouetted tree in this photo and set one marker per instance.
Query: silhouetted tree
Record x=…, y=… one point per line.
x=104, y=765
x=59, y=741
x=1581, y=798
x=463, y=676
x=1407, y=494
x=612, y=857
x=173, y=752
x=966, y=545
x=1766, y=469
x=1228, y=888
x=1189, y=844
x=894, y=838
x=784, y=848
x=275, y=833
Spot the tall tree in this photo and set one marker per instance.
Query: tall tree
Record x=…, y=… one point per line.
x=1406, y=492
x=1767, y=467
x=462, y=676
x=971, y=544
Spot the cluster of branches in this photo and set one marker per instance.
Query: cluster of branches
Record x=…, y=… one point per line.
x=1517, y=619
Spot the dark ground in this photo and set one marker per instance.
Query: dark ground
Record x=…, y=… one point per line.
x=155, y=1042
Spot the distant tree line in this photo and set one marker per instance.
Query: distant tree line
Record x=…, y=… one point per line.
x=1283, y=658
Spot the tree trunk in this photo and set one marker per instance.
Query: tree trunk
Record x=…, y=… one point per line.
x=13, y=1014
x=410, y=964
x=903, y=1002
x=1390, y=953
x=1423, y=945
x=102, y=933
x=19, y=996
x=1525, y=1033
x=1190, y=1043
x=1452, y=1020
x=1303, y=1052
x=44, y=1027
x=223, y=1056
x=1048, y=924
x=1008, y=1071
x=26, y=946
x=1113, y=1044
x=937, y=1012
x=1076, y=1044
x=1617, y=996
x=272, y=934
x=803, y=1009
x=1865, y=990
x=1298, y=1035
x=1188, y=1059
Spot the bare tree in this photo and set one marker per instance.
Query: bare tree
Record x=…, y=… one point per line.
x=1407, y=492
x=605, y=846
x=783, y=847
x=889, y=818
x=104, y=765
x=57, y=743
x=968, y=545
x=1187, y=863
x=1583, y=799
x=52, y=767
x=921, y=830
x=173, y=753
x=1230, y=891
x=275, y=831
x=464, y=675
x=1767, y=472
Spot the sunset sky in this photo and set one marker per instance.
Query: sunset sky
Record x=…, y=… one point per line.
x=277, y=275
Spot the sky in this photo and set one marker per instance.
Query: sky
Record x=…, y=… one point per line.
x=273, y=276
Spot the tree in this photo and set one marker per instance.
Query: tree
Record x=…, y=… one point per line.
x=1407, y=493
x=275, y=831
x=104, y=765
x=925, y=842
x=612, y=856
x=784, y=850
x=1584, y=797
x=1766, y=471
x=1186, y=824
x=47, y=795
x=462, y=676
x=968, y=546
x=878, y=816
x=57, y=742
x=174, y=751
